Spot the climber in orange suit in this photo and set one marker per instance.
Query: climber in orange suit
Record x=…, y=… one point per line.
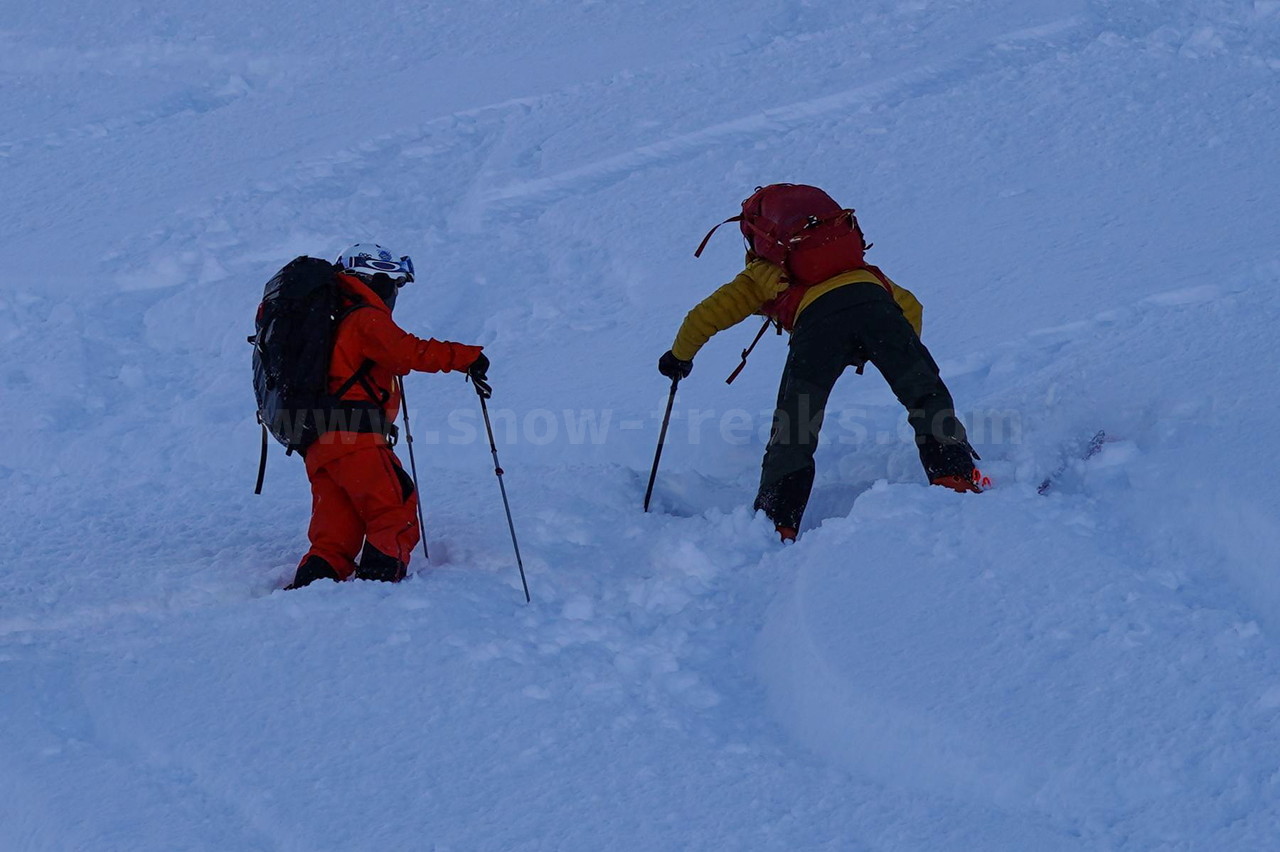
x=364, y=520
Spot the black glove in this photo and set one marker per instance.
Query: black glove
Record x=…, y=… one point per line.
x=672, y=367
x=478, y=372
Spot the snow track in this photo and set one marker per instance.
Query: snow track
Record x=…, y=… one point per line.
x=1073, y=191
x=779, y=121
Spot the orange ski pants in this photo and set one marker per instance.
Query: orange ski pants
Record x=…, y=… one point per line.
x=364, y=494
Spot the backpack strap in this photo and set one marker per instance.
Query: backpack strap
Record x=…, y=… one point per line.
x=746, y=353
x=361, y=377
x=375, y=392
x=707, y=238
x=349, y=310
x=262, y=462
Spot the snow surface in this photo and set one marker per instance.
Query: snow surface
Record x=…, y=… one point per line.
x=1082, y=194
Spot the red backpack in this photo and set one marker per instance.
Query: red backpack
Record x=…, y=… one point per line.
x=803, y=230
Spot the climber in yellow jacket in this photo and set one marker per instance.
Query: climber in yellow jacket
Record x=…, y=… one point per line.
x=840, y=311
x=760, y=284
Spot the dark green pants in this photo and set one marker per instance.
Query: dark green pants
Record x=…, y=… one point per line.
x=850, y=325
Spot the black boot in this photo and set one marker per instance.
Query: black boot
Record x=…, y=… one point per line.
x=313, y=568
x=376, y=565
x=784, y=499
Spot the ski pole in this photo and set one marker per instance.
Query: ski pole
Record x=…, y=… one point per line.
x=662, y=439
x=413, y=468
x=497, y=469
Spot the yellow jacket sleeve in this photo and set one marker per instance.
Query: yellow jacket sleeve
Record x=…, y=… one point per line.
x=731, y=304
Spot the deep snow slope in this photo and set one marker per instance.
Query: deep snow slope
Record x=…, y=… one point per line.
x=1081, y=194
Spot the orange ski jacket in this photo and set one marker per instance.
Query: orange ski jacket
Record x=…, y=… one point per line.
x=368, y=333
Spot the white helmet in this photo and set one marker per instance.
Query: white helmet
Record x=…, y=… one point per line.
x=368, y=259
